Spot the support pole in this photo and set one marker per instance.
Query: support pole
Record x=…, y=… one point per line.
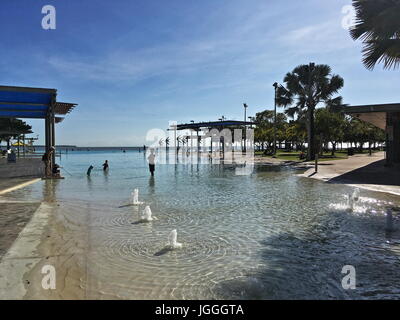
x=46, y=139
x=46, y=135
x=18, y=142
x=53, y=140
x=198, y=144
x=211, y=147
x=275, y=85
x=23, y=145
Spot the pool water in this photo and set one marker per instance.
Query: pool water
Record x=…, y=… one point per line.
x=268, y=235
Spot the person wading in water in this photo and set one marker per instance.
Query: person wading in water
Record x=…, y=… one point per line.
x=105, y=166
x=47, y=159
x=89, y=170
x=152, y=164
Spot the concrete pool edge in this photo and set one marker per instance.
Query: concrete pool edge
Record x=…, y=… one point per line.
x=362, y=171
x=22, y=255
x=19, y=186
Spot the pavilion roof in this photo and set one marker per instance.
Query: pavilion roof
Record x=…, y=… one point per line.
x=31, y=103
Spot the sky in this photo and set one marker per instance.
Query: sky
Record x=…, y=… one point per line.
x=135, y=65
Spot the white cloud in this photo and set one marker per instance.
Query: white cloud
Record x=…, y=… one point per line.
x=319, y=38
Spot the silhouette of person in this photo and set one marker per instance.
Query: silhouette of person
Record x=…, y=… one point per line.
x=152, y=164
x=89, y=170
x=105, y=165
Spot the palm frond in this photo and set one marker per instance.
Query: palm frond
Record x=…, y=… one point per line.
x=378, y=27
x=385, y=51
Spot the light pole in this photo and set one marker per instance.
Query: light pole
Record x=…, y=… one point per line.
x=275, y=85
x=244, y=137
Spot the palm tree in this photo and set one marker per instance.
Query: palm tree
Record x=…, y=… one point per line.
x=306, y=87
x=378, y=26
x=167, y=143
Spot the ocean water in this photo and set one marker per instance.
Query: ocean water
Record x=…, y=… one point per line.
x=268, y=235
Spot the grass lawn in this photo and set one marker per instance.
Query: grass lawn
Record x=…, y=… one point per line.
x=294, y=155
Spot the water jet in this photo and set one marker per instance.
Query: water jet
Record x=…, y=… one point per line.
x=147, y=215
x=172, y=239
x=135, y=197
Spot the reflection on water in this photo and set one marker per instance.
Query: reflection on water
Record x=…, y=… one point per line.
x=89, y=182
x=151, y=185
x=49, y=190
x=105, y=174
x=269, y=235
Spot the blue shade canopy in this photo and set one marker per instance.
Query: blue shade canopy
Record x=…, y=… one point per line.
x=22, y=102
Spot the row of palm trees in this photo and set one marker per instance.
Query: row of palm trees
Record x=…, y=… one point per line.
x=331, y=129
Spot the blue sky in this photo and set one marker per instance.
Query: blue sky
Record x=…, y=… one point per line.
x=133, y=65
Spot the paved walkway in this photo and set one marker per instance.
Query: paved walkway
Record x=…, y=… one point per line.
x=14, y=214
x=24, y=167
x=363, y=171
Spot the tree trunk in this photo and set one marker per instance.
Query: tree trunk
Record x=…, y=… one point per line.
x=311, y=134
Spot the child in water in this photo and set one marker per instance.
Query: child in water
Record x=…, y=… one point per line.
x=89, y=170
x=105, y=165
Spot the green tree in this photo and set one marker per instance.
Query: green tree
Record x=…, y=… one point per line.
x=329, y=127
x=358, y=132
x=378, y=26
x=296, y=133
x=307, y=86
x=281, y=123
x=262, y=133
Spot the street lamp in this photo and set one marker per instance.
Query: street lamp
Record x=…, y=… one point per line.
x=275, y=85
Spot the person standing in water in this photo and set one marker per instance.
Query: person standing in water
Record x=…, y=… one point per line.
x=105, y=166
x=89, y=170
x=47, y=159
x=152, y=164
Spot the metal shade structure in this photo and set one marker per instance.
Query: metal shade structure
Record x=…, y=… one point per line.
x=384, y=116
x=213, y=124
x=64, y=108
x=219, y=125
x=34, y=103
x=375, y=114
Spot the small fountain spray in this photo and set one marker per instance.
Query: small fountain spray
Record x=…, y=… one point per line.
x=356, y=194
x=135, y=197
x=147, y=215
x=353, y=198
x=172, y=239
